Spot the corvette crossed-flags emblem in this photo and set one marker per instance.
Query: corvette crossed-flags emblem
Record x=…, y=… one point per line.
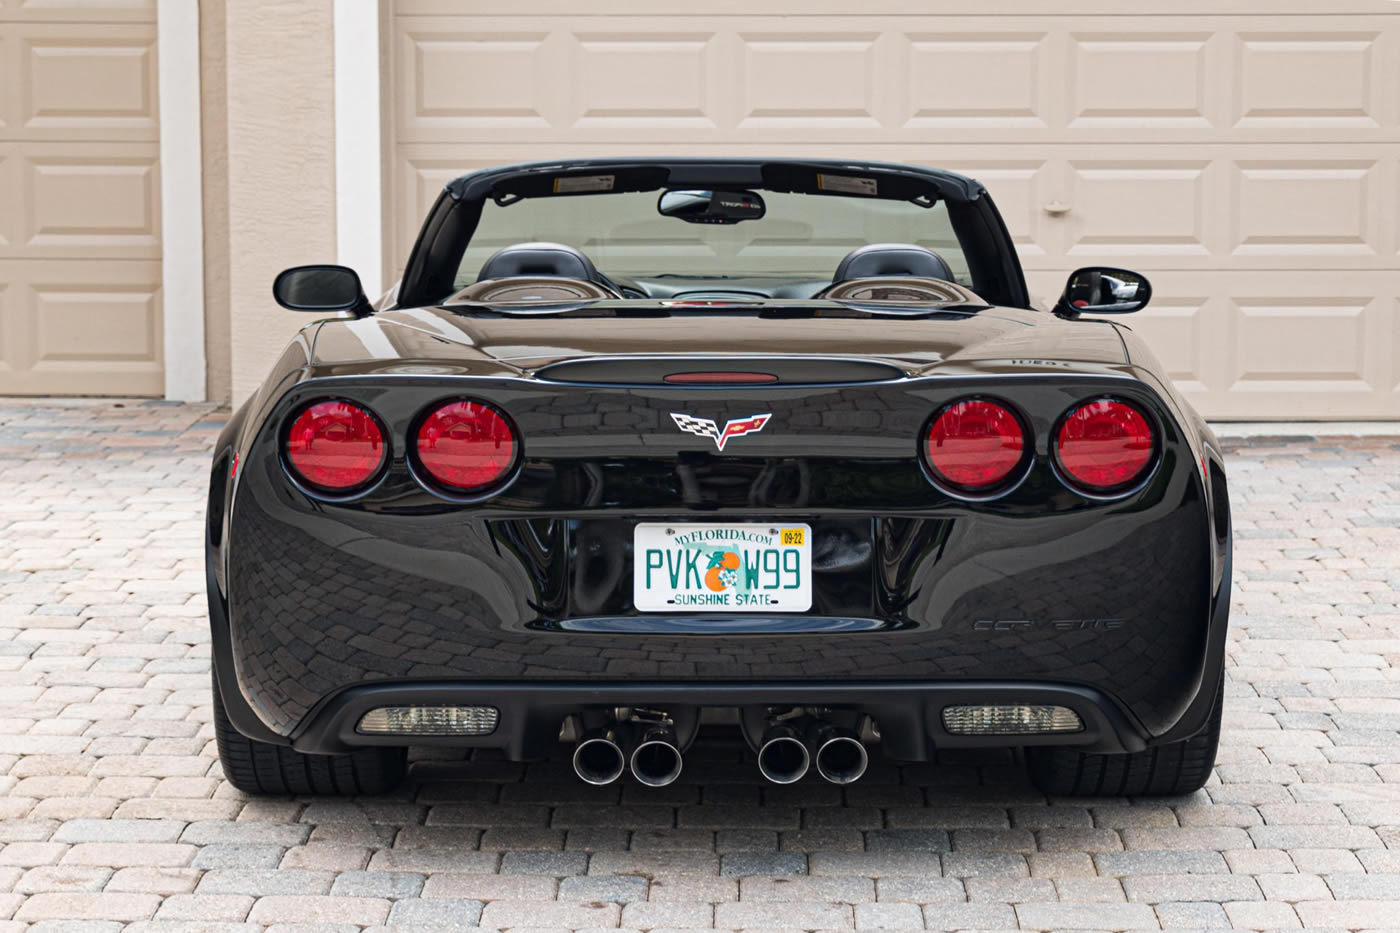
x=707, y=428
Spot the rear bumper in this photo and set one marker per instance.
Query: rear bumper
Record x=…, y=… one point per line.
x=908, y=715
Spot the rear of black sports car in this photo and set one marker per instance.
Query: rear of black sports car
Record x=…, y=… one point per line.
x=1036, y=610
x=844, y=531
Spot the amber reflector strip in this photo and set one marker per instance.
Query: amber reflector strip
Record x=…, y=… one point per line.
x=719, y=378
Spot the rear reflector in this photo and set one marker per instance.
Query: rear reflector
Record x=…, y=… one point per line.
x=1010, y=720
x=430, y=720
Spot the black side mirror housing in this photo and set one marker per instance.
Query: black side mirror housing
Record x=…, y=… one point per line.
x=1103, y=290
x=321, y=289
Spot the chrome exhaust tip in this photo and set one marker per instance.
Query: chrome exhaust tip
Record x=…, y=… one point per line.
x=841, y=757
x=656, y=759
x=598, y=758
x=783, y=758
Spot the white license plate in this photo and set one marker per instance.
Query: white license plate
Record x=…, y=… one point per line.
x=721, y=568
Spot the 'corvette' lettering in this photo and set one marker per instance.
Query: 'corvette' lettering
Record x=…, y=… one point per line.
x=1059, y=625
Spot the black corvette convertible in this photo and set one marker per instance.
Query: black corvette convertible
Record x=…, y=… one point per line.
x=780, y=444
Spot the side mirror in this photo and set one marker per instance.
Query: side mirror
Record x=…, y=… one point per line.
x=1103, y=290
x=322, y=289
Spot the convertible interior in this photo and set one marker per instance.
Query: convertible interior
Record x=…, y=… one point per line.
x=558, y=273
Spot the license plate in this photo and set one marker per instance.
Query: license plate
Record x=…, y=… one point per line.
x=721, y=568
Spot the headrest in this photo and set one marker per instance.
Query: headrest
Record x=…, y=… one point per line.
x=538, y=259
x=904, y=259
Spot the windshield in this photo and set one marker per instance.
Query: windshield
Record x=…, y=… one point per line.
x=802, y=235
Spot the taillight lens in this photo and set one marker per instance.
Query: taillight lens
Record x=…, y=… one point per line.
x=466, y=446
x=335, y=445
x=975, y=445
x=1104, y=445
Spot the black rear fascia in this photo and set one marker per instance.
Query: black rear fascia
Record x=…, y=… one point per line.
x=586, y=479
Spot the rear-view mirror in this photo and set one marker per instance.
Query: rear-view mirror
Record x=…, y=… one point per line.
x=711, y=207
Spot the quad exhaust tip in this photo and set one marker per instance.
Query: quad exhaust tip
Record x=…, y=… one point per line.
x=783, y=758
x=598, y=758
x=789, y=749
x=842, y=758
x=656, y=761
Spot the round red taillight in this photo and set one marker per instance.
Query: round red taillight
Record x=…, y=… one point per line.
x=1104, y=445
x=335, y=445
x=466, y=446
x=975, y=445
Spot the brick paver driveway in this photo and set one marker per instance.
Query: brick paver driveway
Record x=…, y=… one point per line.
x=114, y=811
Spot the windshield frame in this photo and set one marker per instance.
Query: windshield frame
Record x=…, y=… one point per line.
x=433, y=263
x=802, y=237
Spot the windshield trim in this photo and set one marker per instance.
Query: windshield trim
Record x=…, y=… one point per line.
x=536, y=179
x=432, y=262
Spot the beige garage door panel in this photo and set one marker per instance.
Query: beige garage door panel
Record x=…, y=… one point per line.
x=1226, y=207
x=80, y=229
x=1233, y=341
x=903, y=79
x=80, y=200
x=81, y=81
x=1249, y=163
x=82, y=11
x=991, y=9
x=90, y=327
x=1193, y=206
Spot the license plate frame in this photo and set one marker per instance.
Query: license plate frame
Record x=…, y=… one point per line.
x=686, y=567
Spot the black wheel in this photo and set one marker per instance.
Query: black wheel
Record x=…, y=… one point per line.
x=262, y=768
x=1163, y=770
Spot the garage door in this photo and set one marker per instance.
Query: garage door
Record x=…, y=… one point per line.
x=1248, y=162
x=79, y=211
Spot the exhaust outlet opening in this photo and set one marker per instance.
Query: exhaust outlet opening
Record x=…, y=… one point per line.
x=598, y=760
x=656, y=763
x=656, y=759
x=784, y=759
x=842, y=759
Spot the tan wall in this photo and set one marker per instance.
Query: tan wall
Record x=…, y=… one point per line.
x=281, y=169
x=214, y=130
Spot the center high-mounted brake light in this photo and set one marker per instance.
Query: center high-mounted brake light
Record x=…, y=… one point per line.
x=975, y=445
x=466, y=446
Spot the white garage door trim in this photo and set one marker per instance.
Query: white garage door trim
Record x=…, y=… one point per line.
x=359, y=206
x=181, y=199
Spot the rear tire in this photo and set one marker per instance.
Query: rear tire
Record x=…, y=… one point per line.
x=263, y=768
x=1172, y=769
